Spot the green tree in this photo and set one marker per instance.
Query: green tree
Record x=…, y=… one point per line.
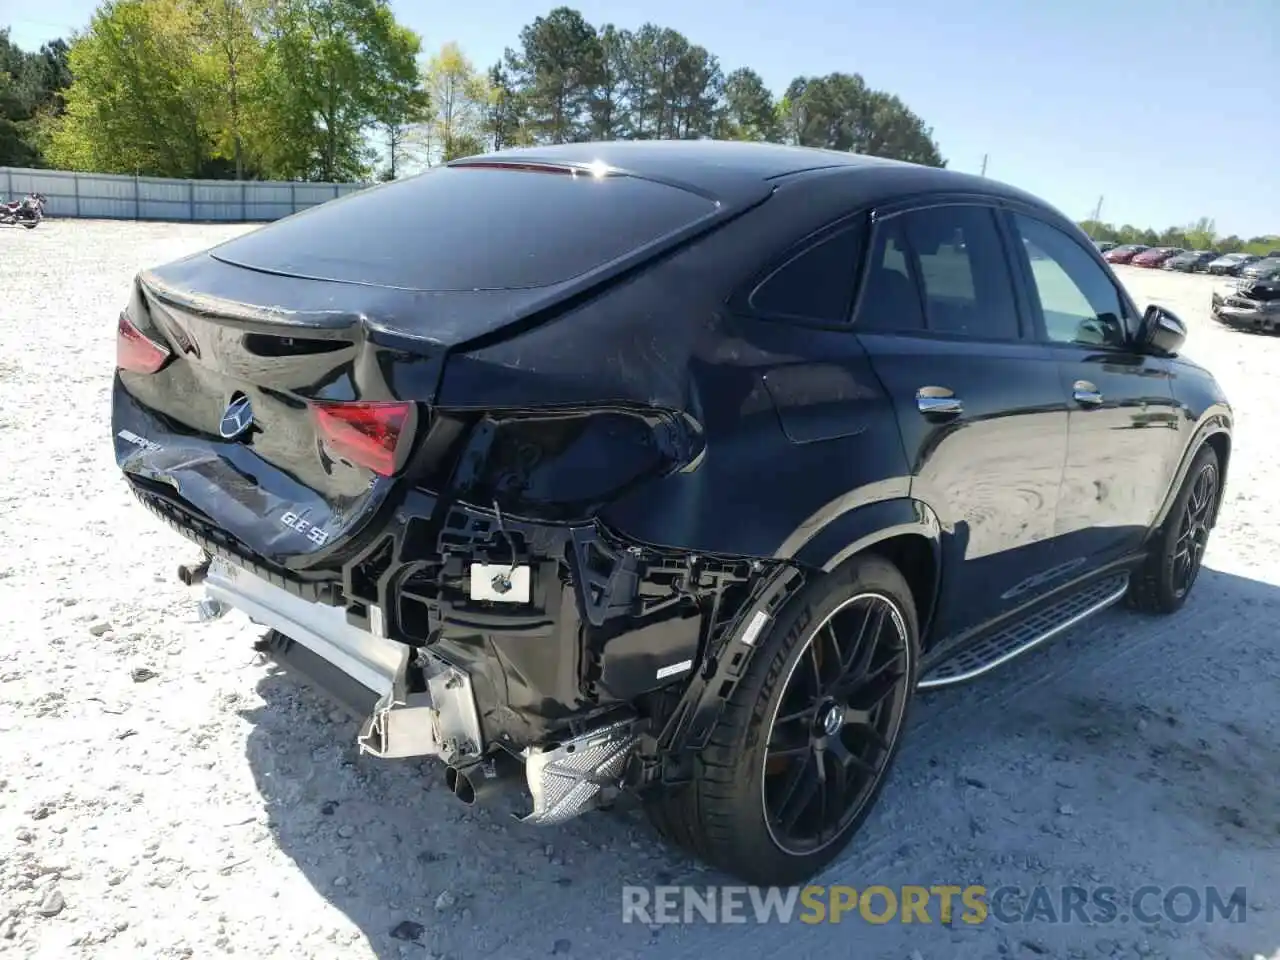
x=750, y=112
x=694, y=94
x=673, y=87
x=403, y=102
x=504, y=109
x=606, y=105
x=329, y=71
x=1098, y=230
x=229, y=33
x=1201, y=235
x=459, y=98
x=840, y=112
x=142, y=94
x=31, y=86
x=555, y=67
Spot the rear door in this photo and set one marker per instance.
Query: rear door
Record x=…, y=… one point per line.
x=1123, y=440
x=979, y=403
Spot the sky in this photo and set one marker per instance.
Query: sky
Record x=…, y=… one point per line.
x=1166, y=111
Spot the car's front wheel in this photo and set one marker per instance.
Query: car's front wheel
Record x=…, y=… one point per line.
x=808, y=737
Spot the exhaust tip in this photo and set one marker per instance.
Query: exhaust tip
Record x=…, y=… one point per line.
x=194, y=573
x=460, y=785
x=481, y=781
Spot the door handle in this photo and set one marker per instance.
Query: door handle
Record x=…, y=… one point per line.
x=1086, y=394
x=938, y=401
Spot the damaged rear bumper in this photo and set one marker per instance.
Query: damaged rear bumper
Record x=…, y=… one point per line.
x=366, y=672
x=427, y=712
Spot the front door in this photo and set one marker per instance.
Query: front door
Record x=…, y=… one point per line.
x=1123, y=437
x=979, y=403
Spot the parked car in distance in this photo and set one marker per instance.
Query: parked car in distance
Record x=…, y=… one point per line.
x=1248, y=305
x=1124, y=253
x=1104, y=245
x=1229, y=264
x=1155, y=256
x=1191, y=261
x=1264, y=269
x=453, y=473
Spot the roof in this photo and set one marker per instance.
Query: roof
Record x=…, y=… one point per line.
x=685, y=160
x=722, y=168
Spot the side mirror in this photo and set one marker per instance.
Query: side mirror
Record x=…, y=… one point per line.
x=1161, y=332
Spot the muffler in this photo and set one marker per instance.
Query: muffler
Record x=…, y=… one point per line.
x=480, y=782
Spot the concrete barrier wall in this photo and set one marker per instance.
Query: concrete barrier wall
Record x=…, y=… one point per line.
x=113, y=197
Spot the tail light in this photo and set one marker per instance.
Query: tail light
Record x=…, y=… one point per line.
x=560, y=465
x=137, y=352
x=364, y=433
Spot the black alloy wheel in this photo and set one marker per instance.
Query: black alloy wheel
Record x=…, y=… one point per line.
x=1193, y=528
x=1163, y=582
x=835, y=724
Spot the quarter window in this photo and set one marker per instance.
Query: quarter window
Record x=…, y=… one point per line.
x=963, y=272
x=1079, y=302
x=814, y=285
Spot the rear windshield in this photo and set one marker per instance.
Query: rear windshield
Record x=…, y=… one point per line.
x=472, y=228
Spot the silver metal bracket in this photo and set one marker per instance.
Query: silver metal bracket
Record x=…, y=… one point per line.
x=440, y=721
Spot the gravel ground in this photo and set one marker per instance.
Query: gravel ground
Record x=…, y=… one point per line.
x=163, y=793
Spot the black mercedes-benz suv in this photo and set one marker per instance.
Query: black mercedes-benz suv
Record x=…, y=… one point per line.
x=671, y=470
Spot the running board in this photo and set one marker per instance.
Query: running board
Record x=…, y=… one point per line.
x=980, y=656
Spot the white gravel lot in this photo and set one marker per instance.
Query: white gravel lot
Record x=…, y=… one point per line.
x=165, y=794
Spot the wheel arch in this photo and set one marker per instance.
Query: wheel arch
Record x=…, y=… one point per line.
x=1214, y=430
x=902, y=530
x=1220, y=440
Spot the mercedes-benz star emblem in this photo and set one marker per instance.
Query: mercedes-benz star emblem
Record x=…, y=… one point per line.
x=237, y=419
x=833, y=721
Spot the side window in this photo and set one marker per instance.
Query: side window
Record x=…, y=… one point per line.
x=1079, y=302
x=963, y=272
x=890, y=301
x=816, y=284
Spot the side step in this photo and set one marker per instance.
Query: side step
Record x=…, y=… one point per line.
x=989, y=652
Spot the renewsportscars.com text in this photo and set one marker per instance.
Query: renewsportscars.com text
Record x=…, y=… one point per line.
x=940, y=903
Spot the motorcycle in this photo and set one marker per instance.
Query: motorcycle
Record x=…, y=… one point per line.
x=28, y=211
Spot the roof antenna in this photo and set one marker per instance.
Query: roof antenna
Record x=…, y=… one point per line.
x=501, y=582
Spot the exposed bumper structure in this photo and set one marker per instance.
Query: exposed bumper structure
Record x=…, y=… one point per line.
x=369, y=660
x=430, y=711
x=439, y=721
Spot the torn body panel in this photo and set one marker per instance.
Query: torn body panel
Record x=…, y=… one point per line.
x=605, y=622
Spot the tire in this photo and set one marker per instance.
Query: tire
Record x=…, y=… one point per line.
x=1161, y=584
x=720, y=816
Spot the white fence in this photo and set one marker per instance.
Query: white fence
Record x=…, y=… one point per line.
x=113, y=197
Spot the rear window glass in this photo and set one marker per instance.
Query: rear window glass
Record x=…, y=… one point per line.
x=477, y=228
